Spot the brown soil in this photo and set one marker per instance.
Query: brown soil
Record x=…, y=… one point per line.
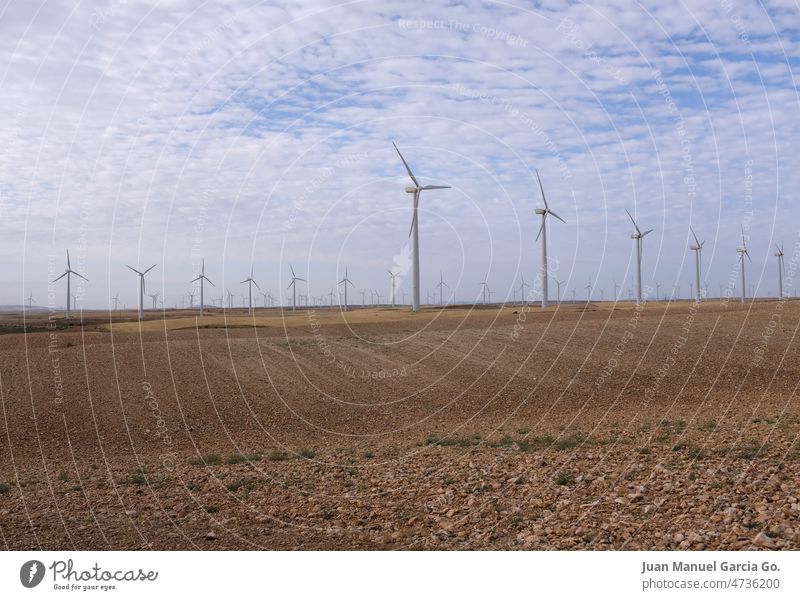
x=516, y=428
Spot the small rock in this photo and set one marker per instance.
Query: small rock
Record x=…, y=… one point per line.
x=211, y=535
x=762, y=539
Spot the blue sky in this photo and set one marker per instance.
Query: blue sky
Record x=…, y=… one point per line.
x=261, y=132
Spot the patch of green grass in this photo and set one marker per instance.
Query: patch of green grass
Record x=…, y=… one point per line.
x=680, y=446
x=328, y=514
x=710, y=426
x=254, y=457
x=246, y=483
x=308, y=453
x=236, y=459
x=696, y=454
x=208, y=459
x=4, y=488
x=449, y=481
x=212, y=509
x=644, y=450
x=571, y=441
x=277, y=455
x=63, y=476
x=565, y=478
x=135, y=478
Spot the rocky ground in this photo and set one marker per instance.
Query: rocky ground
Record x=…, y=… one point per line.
x=577, y=428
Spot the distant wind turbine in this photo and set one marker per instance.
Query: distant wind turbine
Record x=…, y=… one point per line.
x=416, y=189
x=116, y=301
x=779, y=254
x=441, y=285
x=543, y=234
x=141, y=275
x=293, y=285
x=68, y=273
x=345, y=282
x=250, y=283
x=522, y=287
x=30, y=300
x=742, y=253
x=698, y=251
x=393, y=277
x=201, y=278
x=637, y=237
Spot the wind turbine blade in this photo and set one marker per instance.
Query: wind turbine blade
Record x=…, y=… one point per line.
x=634, y=222
x=196, y=279
x=540, y=229
x=541, y=188
x=646, y=232
x=245, y=281
x=59, y=277
x=292, y=269
x=301, y=279
x=68, y=265
x=748, y=256
x=134, y=270
x=290, y=285
x=209, y=281
x=694, y=235
x=254, y=283
x=153, y=267
x=436, y=187
x=557, y=217
x=408, y=169
x=79, y=275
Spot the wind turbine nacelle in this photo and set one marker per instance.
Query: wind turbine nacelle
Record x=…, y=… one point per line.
x=634, y=236
x=411, y=190
x=695, y=248
x=540, y=211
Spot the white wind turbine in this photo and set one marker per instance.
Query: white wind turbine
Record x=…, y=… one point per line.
x=484, y=289
x=250, y=283
x=30, y=300
x=141, y=288
x=698, y=251
x=393, y=276
x=416, y=189
x=742, y=253
x=154, y=298
x=779, y=254
x=293, y=285
x=116, y=301
x=559, y=284
x=543, y=234
x=345, y=282
x=201, y=278
x=441, y=285
x=69, y=272
x=522, y=287
x=637, y=236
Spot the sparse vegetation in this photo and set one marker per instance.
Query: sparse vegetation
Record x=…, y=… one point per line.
x=565, y=478
x=212, y=509
x=277, y=455
x=4, y=488
x=208, y=460
x=134, y=478
x=307, y=453
x=63, y=476
x=246, y=483
x=236, y=459
x=709, y=426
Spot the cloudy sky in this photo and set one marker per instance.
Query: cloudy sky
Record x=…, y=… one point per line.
x=260, y=132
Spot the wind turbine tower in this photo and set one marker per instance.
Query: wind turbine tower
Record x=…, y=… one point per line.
x=293, y=285
x=250, y=283
x=543, y=234
x=416, y=189
x=345, y=282
x=202, y=277
x=68, y=273
x=698, y=250
x=141, y=275
x=779, y=254
x=742, y=253
x=637, y=236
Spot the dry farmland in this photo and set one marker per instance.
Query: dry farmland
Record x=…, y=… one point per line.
x=578, y=427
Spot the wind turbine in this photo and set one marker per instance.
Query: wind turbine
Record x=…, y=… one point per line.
x=638, y=236
x=698, y=250
x=68, y=273
x=264, y=294
x=363, y=297
x=293, y=285
x=191, y=298
x=559, y=284
x=441, y=285
x=658, y=287
x=230, y=298
x=589, y=292
x=346, y=282
x=141, y=288
x=616, y=298
x=250, y=282
x=202, y=277
x=543, y=234
x=403, y=292
x=416, y=189
x=30, y=300
x=779, y=254
x=522, y=287
x=484, y=287
x=116, y=301
x=742, y=253
x=393, y=276
x=154, y=298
